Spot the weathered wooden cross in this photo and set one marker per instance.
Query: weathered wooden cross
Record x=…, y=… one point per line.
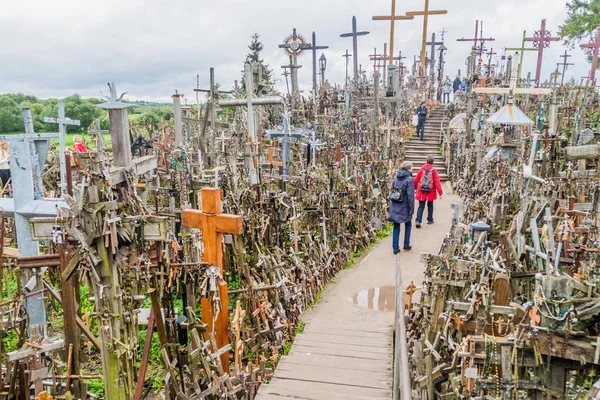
x=594, y=47
x=565, y=66
x=346, y=56
x=314, y=48
x=433, y=43
x=214, y=225
x=354, y=35
x=541, y=39
x=425, y=13
x=392, y=18
x=521, y=51
x=62, y=132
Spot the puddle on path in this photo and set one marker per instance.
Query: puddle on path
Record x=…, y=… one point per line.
x=378, y=299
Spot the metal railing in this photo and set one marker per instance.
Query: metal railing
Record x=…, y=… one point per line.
x=402, y=385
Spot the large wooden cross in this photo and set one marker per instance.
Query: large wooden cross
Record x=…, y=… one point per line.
x=214, y=225
x=541, y=39
x=521, y=51
x=594, y=46
x=425, y=13
x=354, y=35
x=392, y=18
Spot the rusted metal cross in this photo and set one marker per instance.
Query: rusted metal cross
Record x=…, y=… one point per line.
x=214, y=225
x=594, y=47
x=541, y=39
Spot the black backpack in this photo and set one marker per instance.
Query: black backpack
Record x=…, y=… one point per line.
x=397, y=194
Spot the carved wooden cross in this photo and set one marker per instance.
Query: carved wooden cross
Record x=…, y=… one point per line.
x=541, y=39
x=594, y=46
x=214, y=225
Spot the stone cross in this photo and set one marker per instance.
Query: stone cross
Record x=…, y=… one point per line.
x=314, y=48
x=62, y=133
x=286, y=133
x=392, y=18
x=214, y=225
x=594, y=47
x=541, y=39
x=347, y=61
x=565, y=66
x=354, y=35
x=27, y=158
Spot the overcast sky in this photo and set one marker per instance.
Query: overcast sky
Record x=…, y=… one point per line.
x=54, y=48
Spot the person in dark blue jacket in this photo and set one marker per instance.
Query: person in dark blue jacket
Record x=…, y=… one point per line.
x=422, y=112
x=456, y=84
x=402, y=212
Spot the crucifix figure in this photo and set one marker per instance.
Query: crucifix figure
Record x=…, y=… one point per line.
x=392, y=18
x=354, y=35
x=425, y=13
x=214, y=225
x=314, y=49
x=593, y=46
x=346, y=56
x=541, y=39
x=565, y=66
x=62, y=132
x=286, y=133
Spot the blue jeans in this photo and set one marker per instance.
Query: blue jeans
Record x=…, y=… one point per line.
x=422, y=208
x=396, y=235
x=421, y=129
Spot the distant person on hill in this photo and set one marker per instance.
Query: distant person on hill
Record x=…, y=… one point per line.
x=446, y=90
x=422, y=112
x=79, y=146
x=402, y=206
x=456, y=84
x=4, y=163
x=427, y=184
x=463, y=85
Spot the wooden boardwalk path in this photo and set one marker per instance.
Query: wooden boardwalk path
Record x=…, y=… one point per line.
x=345, y=351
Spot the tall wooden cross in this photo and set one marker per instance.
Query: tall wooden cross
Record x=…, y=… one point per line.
x=521, y=51
x=62, y=133
x=286, y=74
x=593, y=46
x=214, y=225
x=295, y=45
x=314, y=48
x=490, y=55
x=392, y=18
x=354, y=35
x=425, y=13
x=433, y=43
x=478, y=40
x=376, y=58
x=541, y=39
x=346, y=56
x=565, y=66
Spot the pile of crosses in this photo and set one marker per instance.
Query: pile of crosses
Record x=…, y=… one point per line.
x=215, y=234
x=509, y=306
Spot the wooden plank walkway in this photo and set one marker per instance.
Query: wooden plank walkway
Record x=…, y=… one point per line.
x=345, y=351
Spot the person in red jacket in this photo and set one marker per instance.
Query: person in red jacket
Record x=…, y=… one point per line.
x=428, y=186
x=79, y=146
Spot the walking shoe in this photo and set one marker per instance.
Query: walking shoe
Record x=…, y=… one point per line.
x=418, y=224
x=396, y=252
x=407, y=247
x=429, y=222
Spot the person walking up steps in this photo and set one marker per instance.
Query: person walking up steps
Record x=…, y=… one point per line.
x=428, y=186
x=422, y=114
x=402, y=205
x=446, y=90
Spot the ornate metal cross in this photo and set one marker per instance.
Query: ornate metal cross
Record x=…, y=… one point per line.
x=541, y=39
x=593, y=46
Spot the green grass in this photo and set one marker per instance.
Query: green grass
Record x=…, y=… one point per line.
x=70, y=138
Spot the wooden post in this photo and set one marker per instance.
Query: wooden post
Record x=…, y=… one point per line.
x=214, y=224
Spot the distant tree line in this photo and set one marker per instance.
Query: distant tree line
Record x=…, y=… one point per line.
x=83, y=109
